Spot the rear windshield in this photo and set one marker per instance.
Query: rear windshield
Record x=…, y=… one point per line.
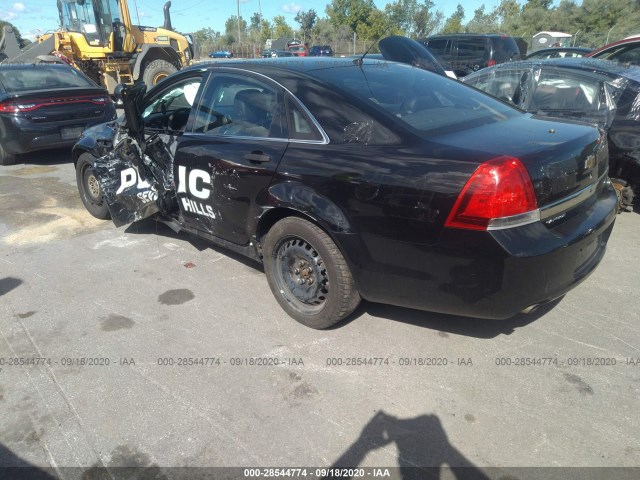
x=422, y=100
x=41, y=78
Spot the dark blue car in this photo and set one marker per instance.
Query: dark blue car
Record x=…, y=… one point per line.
x=221, y=54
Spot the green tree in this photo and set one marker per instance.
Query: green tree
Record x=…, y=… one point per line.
x=453, y=24
x=483, y=22
x=427, y=21
x=376, y=26
x=403, y=14
x=350, y=13
x=281, y=28
x=255, y=21
x=323, y=32
x=306, y=20
x=266, y=32
x=231, y=26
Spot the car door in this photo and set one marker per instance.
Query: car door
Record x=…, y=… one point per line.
x=136, y=176
x=229, y=157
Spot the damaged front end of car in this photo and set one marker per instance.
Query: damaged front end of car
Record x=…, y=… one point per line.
x=136, y=173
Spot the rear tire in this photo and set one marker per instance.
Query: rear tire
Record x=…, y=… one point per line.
x=308, y=274
x=6, y=158
x=89, y=188
x=157, y=71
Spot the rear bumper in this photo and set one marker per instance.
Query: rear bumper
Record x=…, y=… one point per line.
x=19, y=135
x=492, y=275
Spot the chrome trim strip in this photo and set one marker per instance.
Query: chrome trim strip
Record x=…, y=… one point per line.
x=514, y=221
x=571, y=201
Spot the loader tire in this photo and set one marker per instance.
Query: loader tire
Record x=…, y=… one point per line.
x=157, y=71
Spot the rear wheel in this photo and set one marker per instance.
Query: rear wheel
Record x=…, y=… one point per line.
x=6, y=158
x=89, y=188
x=307, y=273
x=157, y=71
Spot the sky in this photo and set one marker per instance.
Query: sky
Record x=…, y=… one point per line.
x=34, y=16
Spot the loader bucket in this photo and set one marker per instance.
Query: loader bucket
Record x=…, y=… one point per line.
x=30, y=54
x=9, y=47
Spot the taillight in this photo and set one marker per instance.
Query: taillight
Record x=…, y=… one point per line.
x=15, y=106
x=491, y=63
x=498, y=195
x=9, y=107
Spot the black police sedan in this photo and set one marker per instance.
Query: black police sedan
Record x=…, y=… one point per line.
x=47, y=106
x=352, y=179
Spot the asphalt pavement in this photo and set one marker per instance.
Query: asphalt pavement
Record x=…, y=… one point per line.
x=137, y=346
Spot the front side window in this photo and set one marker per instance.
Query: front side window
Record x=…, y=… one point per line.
x=238, y=106
x=502, y=84
x=170, y=108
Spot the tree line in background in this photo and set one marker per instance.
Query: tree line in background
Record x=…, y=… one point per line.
x=592, y=22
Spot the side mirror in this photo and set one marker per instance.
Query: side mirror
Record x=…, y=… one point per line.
x=117, y=92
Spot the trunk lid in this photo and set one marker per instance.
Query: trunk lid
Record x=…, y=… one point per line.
x=562, y=157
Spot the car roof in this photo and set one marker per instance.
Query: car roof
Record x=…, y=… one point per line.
x=468, y=35
x=584, y=64
x=561, y=49
x=295, y=64
x=31, y=66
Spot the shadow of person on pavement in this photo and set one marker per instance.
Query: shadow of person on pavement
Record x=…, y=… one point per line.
x=423, y=448
x=13, y=467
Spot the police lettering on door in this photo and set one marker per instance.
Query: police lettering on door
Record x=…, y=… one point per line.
x=196, y=183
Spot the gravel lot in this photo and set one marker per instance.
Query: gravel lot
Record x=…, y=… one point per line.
x=147, y=348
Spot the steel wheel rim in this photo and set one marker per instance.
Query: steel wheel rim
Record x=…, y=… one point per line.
x=301, y=275
x=92, y=186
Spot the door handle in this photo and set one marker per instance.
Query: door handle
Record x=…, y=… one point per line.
x=257, y=157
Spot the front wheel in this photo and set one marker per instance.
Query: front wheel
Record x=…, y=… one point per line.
x=89, y=188
x=308, y=274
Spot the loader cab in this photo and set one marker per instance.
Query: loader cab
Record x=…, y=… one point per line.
x=96, y=20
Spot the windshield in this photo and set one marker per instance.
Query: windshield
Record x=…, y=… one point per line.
x=423, y=100
x=80, y=16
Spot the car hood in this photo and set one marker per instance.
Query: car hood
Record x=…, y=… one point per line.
x=405, y=50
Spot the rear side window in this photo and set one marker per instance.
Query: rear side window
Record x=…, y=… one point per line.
x=472, y=49
x=42, y=78
x=438, y=46
x=240, y=107
x=301, y=127
x=558, y=92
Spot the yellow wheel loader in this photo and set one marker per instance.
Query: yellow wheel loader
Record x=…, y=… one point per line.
x=98, y=38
